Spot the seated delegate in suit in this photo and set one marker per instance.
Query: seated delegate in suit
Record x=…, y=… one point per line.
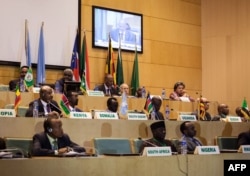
x=73, y=101
x=223, y=112
x=243, y=113
x=53, y=140
x=19, y=81
x=188, y=131
x=67, y=76
x=46, y=104
x=159, y=132
x=179, y=93
x=156, y=114
x=244, y=138
x=112, y=104
x=124, y=88
x=108, y=86
x=204, y=115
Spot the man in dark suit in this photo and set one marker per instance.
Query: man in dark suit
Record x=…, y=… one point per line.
x=46, y=104
x=108, y=86
x=188, y=131
x=244, y=138
x=19, y=81
x=73, y=101
x=159, y=132
x=67, y=76
x=53, y=140
x=156, y=114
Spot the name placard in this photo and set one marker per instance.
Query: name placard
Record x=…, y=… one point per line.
x=157, y=151
x=80, y=115
x=137, y=116
x=233, y=119
x=187, y=117
x=96, y=93
x=7, y=113
x=244, y=149
x=106, y=115
x=207, y=150
x=36, y=89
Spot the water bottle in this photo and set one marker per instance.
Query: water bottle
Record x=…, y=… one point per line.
x=183, y=146
x=57, y=87
x=152, y=115
x=167, y=112
x=35, y=109
x=163, y=94
x=124, y=105
x=143, y=92
x=22, y=86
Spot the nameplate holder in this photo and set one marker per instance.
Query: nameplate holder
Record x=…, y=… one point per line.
x=233, y=119
x=186, y=117
x=244, y=149
x=80, y=115
x=36, y=89
x=137, y=116
x=95, y=93
x=207, y=150
x=7, y=113
x=157, y=151
x=106, y=115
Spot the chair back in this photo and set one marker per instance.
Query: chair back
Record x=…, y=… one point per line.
x=136, y=143
x=227, y=143
x=20, y=144
x=112, y=146
x=21, y=111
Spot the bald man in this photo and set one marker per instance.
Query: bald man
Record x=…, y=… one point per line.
x=108, y=86
x=223, y=112
x=124, y=88
x=46, y=105
x=204, y=115
x=67, y=76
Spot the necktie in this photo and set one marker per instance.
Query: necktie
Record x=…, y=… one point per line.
x=54, y=145
x=48, y=108
x=108, y=91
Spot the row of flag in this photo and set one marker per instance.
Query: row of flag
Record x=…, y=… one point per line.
x=118, y=72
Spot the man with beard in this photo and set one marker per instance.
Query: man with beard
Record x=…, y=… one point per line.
x=159, y=132
x=73, y=101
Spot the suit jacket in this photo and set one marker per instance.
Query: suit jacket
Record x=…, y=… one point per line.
x=59, y=86
x=113, y=90
x=42, y=147
x=163, y=143
x=191, y=143
x=207, y=116
x=14, y=83
x=158, y=116
x=41, y=113
x=244, y=138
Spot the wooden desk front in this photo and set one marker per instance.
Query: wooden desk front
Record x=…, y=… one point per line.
x=176, y=165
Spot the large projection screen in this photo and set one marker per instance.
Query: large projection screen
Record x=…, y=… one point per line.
x=60, y=19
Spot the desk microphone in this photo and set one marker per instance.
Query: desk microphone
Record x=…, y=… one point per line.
x=148, y=142
x=57, y=109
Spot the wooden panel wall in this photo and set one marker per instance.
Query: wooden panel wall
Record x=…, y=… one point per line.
x=226, y=50
x=172, y=45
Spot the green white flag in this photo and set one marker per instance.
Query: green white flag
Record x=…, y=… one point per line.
x=244, y=104
x=29, y=81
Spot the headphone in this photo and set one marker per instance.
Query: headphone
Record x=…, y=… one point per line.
x=49, y=130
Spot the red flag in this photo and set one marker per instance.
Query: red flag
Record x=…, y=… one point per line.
x=18, y=98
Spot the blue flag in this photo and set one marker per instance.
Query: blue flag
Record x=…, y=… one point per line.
x=41, y=60
x=27, y=45
x=75, y=60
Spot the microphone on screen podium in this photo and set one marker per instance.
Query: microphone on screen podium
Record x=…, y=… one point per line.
x=147, y=142
x=57, y=109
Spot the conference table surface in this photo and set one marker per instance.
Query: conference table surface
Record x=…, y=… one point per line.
x=176, y=165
